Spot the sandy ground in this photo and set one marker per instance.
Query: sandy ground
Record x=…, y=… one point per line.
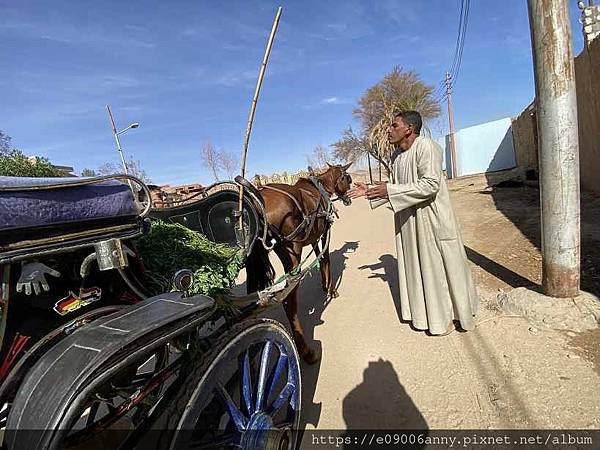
x=377, y=372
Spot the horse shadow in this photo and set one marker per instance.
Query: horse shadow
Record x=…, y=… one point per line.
x=312, y=303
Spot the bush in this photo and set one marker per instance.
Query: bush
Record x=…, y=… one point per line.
x=14, y=163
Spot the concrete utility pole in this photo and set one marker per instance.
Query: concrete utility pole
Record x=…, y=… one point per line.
x=558, y=145
x=454, y=172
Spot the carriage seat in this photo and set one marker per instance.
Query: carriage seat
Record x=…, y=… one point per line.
x=216, y=216
x=27, y=214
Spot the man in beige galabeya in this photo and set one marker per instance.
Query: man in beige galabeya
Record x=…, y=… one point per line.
x=436, y=289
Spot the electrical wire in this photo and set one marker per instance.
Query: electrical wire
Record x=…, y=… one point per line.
x=440, y=93
x=465, y=22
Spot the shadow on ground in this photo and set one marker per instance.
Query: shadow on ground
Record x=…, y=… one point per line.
x=499, y=271
x=388, y=263
x=380, y=402
x=311, y=306
x=477, y=346
x=521, y=205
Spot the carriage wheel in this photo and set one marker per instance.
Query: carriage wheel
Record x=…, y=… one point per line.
x=245, y=394
x=119, y=404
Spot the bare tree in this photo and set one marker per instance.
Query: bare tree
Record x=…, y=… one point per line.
x=354, y=147
x=133, y=168
x=319, y=158
x=88, y=173
x=4, y=143
x=228, y=162
x=210, y=158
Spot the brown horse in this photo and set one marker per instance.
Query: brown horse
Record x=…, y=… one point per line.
x=297, y=217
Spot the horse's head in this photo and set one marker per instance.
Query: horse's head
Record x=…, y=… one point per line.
x=338, y=181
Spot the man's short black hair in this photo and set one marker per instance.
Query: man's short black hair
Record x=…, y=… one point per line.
x=411, y=118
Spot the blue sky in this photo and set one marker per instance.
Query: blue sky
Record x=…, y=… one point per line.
x=186, y=70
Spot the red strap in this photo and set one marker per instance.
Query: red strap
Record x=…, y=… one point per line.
x=17, y=345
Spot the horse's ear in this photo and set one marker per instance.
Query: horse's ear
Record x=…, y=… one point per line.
x=347, y=166
x=329, y=165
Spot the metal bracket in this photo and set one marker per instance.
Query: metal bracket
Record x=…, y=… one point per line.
x=183, y=280
x=110, y=255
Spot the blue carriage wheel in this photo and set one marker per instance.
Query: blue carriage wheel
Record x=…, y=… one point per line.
x=247, y=394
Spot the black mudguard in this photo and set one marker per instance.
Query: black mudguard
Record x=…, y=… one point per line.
x=57, y=382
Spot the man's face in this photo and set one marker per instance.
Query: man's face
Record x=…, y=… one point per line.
x=398, y=131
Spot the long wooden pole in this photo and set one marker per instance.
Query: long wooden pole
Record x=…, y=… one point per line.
x=261, y=75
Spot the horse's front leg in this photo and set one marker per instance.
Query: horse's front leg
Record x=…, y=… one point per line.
x=322, y=269
x=328, y=281
x=291, y=309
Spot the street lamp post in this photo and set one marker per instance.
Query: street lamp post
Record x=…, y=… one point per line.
x=116, y=135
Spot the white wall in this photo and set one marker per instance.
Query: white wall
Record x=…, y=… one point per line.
x=483, y=148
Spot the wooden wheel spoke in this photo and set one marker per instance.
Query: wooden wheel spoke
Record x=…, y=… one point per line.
x=262, y=376
x=247, y=384
x=284, y=395
x=277, y=374
x=238, y=418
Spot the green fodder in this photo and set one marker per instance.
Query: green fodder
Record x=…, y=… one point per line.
x=170, y=247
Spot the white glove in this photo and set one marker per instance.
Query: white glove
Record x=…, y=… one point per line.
x=33, y=276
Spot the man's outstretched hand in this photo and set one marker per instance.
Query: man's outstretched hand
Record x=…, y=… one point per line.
x=378, y=191
x=359, y=190
x=373, y=193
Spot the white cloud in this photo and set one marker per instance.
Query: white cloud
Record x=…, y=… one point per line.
x=236, y=78
x=332, y=101
x=55, y=28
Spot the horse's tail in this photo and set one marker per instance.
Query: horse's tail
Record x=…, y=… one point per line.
x=260, y=273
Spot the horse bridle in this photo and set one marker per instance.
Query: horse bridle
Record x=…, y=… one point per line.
x=344, y=198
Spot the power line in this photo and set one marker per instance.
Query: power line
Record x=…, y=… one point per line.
x=451, y=75
x=462, y=43
x=440, y=93
x=458, y=36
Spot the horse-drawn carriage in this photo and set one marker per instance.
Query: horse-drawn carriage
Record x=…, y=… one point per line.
x=89, y=359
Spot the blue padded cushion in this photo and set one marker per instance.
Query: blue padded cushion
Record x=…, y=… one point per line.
x=25, y=209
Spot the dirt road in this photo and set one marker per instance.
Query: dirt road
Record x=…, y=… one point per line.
x=377, y=372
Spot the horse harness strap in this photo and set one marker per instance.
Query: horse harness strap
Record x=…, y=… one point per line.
x=308, y=220
x=327, y=203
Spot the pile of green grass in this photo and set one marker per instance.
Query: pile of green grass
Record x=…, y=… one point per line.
x=170, y=247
